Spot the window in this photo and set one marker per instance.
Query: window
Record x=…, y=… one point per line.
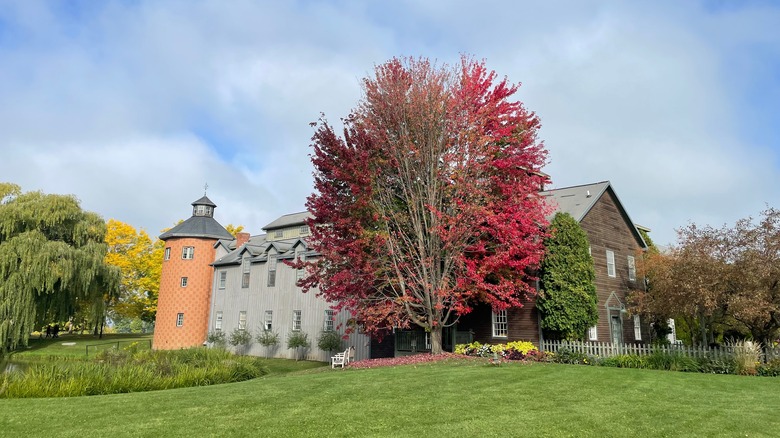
x=242, y=320
x=269, y=317
x=167, y=255
x=593, y=334
x=300, y=256
x=184, y=282
x=179, y=319
x=610, y=263
x=271, y=270
x=222, y=279
x=304, y=229
x=188, y=252
x=427, y=340
x=245, y=266
x=499, y=324
x=296, y=323
x=590, y=251
x=637, y=328
x=631, y=269
x=218, y=321
x=279, y=233
x=329, y=321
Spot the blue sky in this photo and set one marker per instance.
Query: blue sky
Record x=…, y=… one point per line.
x=134, y=105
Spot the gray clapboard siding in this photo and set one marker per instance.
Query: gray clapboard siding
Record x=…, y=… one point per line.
x=282, y=300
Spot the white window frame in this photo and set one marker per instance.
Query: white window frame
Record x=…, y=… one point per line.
x=167, y=253
x=631, y=268
x=218, y=321
x=637, y=328
x=222, y=279
x=184, y=282
x=593, y=333
x=246, y=266
x=297, y=320
x=611, y=263
x=427, y=340
x=278, y=233
x=271, y=270
x=242, y=320
x=188, y=253
x=179, y=319
x=304, y=230
x=500, y=324
x=269, y=320
x=330, y=321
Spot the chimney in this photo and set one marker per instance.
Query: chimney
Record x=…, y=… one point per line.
x=241, y=238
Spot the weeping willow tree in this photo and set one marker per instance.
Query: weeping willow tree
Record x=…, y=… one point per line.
x=51, y=262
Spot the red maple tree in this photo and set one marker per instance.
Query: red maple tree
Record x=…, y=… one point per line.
x=429, y=202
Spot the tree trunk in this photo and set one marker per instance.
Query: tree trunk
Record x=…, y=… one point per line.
x=436, y=340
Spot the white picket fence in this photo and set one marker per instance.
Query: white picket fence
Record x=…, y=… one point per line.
x=606, y=349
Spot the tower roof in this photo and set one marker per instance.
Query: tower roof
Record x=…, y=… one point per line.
x=201, y=224
x=204, y=201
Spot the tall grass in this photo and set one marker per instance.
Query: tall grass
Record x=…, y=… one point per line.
x=122, y=371
x=747, y=356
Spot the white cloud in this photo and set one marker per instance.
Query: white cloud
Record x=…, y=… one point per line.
x=134, y=106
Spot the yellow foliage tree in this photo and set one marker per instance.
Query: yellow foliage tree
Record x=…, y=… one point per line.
x=140, y=261
x=234, y=229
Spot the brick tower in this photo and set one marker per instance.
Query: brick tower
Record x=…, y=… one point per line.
x=186, y=277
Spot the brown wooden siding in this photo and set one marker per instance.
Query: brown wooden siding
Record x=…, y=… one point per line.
x=608, y=229
x=522, y=324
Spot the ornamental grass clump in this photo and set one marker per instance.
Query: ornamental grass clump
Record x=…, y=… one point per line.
x=118, y=371
x=747, y=356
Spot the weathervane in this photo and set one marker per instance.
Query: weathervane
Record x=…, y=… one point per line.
x=205, y=189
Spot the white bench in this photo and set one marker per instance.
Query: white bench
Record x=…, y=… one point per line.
x=343, y=358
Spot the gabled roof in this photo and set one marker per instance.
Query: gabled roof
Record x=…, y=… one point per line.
x=198, y=226
x=257, y=249
x=579, y=200
x=575, y=200
x=289, y=220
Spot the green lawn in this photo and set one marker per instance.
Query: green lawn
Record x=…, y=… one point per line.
x=444, y=399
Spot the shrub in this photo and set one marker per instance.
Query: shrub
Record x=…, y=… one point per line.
x=771, y=368
x=672, y=362
x=240, y=339
x=624, y=361
x=329, y=341
x=716, y=365
x=217, y=339
x=299, y=341
x=566, y=355
x=268, y=338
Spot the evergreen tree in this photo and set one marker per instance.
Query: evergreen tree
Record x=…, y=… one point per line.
x=51, y=262
x=567, y=300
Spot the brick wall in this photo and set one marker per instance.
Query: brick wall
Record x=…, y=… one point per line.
x=192, y=300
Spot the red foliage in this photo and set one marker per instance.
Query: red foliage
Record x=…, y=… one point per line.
x=429, y=203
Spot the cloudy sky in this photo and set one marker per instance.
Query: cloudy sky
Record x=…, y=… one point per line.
x=134, y=105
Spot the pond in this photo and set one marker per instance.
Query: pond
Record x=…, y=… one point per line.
x=9, y=366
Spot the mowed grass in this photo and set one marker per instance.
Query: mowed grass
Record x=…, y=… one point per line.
x=459, y=399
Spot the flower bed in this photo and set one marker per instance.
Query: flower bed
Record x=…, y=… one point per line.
x=403, y=360
x=516, y=350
